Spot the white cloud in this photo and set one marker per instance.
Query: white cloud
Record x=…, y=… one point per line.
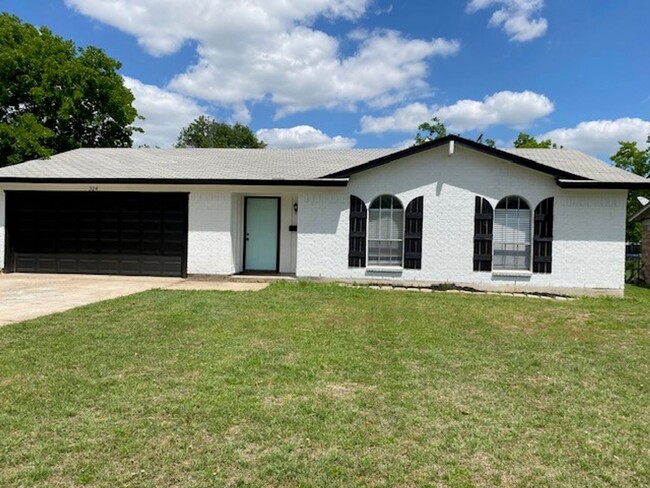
x=303, y=136
x=269, y=50
x=165, y=113
x=241, y=115
x=404, y=119
x=513, y=109
x=301, y=69
x=162, y=26
x=516, y=17
x=600, y=137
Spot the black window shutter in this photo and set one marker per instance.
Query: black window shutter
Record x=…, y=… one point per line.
x=413, y=234
x=358, y=222
x=543, y=238
x=483, y=221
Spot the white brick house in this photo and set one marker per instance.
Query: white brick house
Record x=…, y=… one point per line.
x=448, y=212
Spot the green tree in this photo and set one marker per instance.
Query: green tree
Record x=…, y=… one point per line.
x=204, y=131
x=630, y=158
x=432, y=130
x=526, y=141
x=490, y=143
x=56, y=96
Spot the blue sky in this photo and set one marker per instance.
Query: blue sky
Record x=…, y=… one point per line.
x=365, y=73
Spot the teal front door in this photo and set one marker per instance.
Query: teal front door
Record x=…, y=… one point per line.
x=262, y=230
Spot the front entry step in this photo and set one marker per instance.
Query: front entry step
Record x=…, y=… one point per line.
x=261, y=278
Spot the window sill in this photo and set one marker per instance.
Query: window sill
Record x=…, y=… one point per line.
x=514, y=273
x=384, y=269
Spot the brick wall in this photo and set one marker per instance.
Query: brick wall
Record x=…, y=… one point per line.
x=209, y=239
x=589, y=228
x=645, y=247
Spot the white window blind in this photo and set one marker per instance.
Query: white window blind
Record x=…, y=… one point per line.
x=512, y=226
x=512, y=235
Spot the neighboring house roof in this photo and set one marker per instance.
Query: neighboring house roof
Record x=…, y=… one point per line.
x=641, y=215
x=331, y=167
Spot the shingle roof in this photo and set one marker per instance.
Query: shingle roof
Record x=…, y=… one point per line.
x=577, y=163
x=194, y=164
x=288, y=165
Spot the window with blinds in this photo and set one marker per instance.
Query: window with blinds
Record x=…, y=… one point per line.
x=512, y=235
x=385, y=231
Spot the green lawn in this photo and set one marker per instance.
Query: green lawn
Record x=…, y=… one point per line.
x=320, y=385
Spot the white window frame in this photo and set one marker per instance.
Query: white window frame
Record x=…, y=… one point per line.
x=529, y=256
x=382, y=266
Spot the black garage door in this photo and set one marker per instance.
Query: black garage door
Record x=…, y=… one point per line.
x=119, y=233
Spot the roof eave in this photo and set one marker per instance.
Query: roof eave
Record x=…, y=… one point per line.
x=604, y=185
x=319, y=182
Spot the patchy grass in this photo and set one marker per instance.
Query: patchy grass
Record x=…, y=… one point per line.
x=319, y=385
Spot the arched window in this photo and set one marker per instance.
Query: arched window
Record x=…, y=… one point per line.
x=511, y=234
x=385, y=231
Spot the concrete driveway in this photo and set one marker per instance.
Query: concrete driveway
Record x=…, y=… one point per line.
x=28, y=296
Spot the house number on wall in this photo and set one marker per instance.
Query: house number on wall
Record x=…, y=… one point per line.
x=93, y=188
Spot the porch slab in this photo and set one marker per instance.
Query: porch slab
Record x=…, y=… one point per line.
x=249, y=278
